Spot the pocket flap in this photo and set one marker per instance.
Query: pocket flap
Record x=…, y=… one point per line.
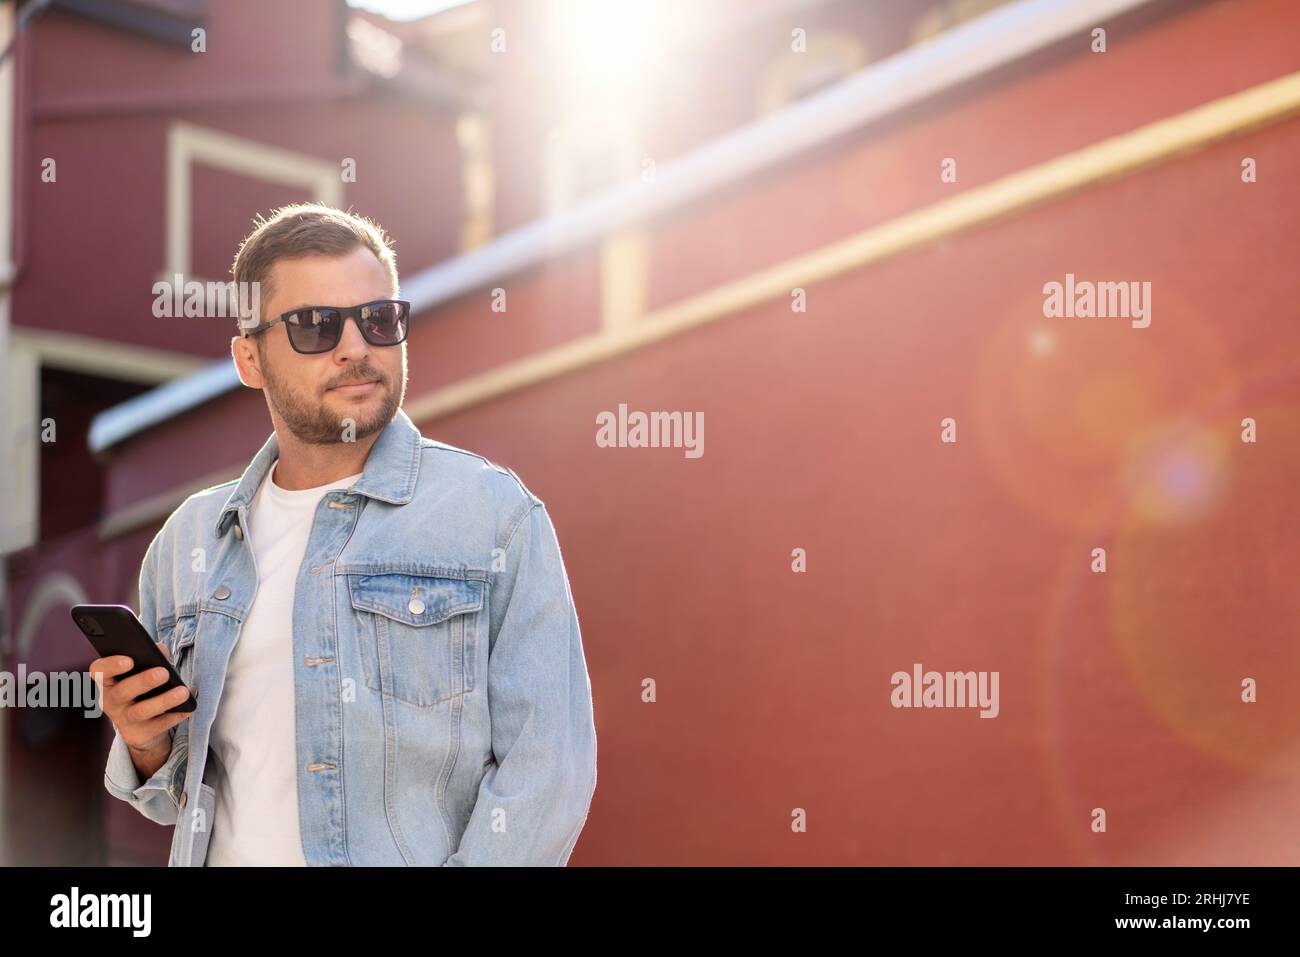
x=415, y=599
x=182, y=635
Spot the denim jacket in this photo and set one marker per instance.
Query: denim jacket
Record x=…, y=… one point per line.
x=443, y=711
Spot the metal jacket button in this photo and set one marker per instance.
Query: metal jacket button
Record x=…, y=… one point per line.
x=184, y=796
x=221, y=594
x=416, y=607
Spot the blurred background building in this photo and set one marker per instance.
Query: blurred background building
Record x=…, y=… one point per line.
x=825, y=224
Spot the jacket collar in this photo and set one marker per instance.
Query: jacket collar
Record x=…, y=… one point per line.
x=389, y=475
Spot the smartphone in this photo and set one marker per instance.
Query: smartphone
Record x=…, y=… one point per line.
x=114, y=630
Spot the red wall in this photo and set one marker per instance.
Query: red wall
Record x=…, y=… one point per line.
x=822, y=432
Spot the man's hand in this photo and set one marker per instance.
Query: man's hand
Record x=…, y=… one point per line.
x=143, y=725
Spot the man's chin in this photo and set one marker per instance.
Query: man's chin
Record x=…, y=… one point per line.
x=365, y=414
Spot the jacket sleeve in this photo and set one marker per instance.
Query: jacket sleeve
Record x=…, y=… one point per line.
x=532, y=803
x=158, y=797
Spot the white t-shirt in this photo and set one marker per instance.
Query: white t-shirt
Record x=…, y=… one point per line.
x=255, y=757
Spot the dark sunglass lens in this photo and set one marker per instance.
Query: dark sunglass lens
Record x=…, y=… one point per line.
x=384, y=323
x=315, y=330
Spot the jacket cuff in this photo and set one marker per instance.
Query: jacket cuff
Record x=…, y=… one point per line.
x=156, y=798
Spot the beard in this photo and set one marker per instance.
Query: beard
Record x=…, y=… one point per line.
x=311, y=420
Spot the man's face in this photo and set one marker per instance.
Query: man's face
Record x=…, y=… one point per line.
x=317, y=397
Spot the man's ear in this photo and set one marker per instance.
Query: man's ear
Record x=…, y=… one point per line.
x=247, y=361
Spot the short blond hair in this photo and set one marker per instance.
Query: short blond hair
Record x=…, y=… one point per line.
x=307, y=229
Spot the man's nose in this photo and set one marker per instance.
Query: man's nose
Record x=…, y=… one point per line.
x=352, y=344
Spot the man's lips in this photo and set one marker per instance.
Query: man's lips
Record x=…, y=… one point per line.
x=356, y=388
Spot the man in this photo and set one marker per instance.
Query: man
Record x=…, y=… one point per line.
x=377, y=627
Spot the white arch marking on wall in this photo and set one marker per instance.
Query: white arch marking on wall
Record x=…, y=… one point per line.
x=55, y=590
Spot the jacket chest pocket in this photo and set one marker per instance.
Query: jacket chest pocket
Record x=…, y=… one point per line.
x=417, y=635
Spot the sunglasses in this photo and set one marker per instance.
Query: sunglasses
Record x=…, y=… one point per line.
x=316, y=329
